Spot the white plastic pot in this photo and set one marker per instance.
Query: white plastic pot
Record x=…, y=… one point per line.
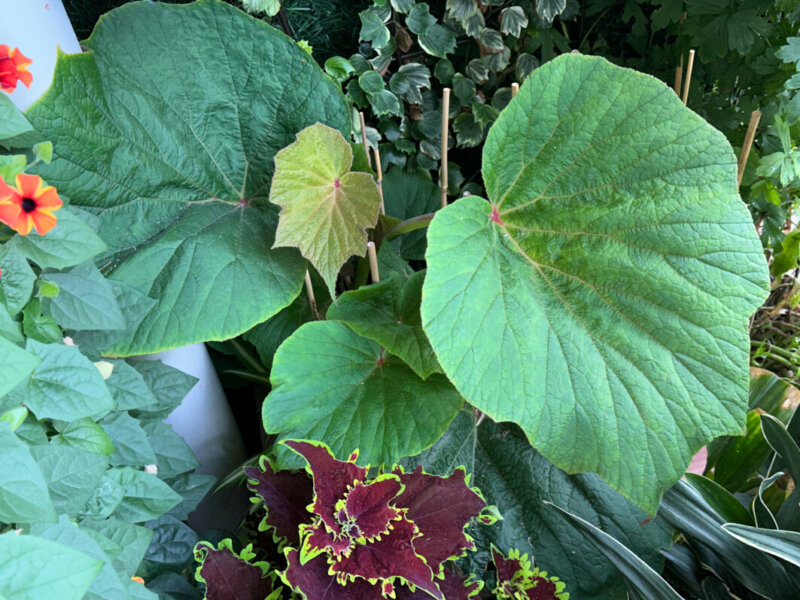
x=38, y=28
x=204, y=419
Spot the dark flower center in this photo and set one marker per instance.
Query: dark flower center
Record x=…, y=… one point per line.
x=28, y=205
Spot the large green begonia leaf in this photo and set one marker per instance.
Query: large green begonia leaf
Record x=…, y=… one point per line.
x=601, y=298
x=325, y=208
x=332, y=385
x=167, y=130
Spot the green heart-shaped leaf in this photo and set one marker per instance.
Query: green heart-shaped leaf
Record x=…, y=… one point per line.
x=332, y=385
x=167, y=130
x=601, y=299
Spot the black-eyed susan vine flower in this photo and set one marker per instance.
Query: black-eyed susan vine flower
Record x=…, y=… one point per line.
x=30, y=203
x=13, y=68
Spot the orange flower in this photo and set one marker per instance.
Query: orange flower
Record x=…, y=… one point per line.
x=30, y=204
x=13, y=68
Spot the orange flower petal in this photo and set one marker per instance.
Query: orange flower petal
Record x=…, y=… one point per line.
x=9, y=213
x=43, y=220
x=6, y=191
x=28, y=185
x=24, y=224
x=19, y=58
x=5, y=51
x=47, y=198
x=25, y=77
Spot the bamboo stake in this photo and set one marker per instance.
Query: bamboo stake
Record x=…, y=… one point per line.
x=514, y=89
x=311, y=300
x=445, y=127
x=364, y=137
x=755, y=117
x=380, y=179
x=678, y=78
x=373, y=262
x=688, y=82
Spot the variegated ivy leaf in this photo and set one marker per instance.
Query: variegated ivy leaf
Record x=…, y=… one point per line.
x=325, y=208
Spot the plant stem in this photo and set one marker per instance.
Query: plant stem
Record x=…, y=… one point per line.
x=247, y=358
x=408, y=226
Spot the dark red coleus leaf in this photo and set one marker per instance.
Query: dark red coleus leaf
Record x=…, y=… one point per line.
x=517, y=580
x=313, y=581
x=286, y=495
x=393, y=555
x=453, y=587
x=367, y=508
x=506, y=568
x=440, y=507
x=319, y=540
x=229, y=576
x=332, y=478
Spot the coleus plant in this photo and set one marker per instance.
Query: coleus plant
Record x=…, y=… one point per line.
x=348, y=535
x=517, y=580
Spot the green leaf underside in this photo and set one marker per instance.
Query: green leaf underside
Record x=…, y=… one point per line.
x=167, y=131
x=327, y=385
x=607, y=312
x=325, y=208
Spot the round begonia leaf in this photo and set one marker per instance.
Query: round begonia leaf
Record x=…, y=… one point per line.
x=325, y=208
x=332, y=385
x=167, y=130
x=601, y=298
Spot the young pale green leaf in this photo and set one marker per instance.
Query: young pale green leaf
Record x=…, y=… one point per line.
x=65, y=386
x=332, y=385
x=85, y=300
x=388, y=313
x=783, y=544
x=145, y=496
x=84, y=434
x=178, y=170
x=601, y=298
x=70, y=243
x=640, y=576
x=23, y=490
x=16, y=283
x=32, y=568
x=15, y=365
x=71, y=474
x=325, y=207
